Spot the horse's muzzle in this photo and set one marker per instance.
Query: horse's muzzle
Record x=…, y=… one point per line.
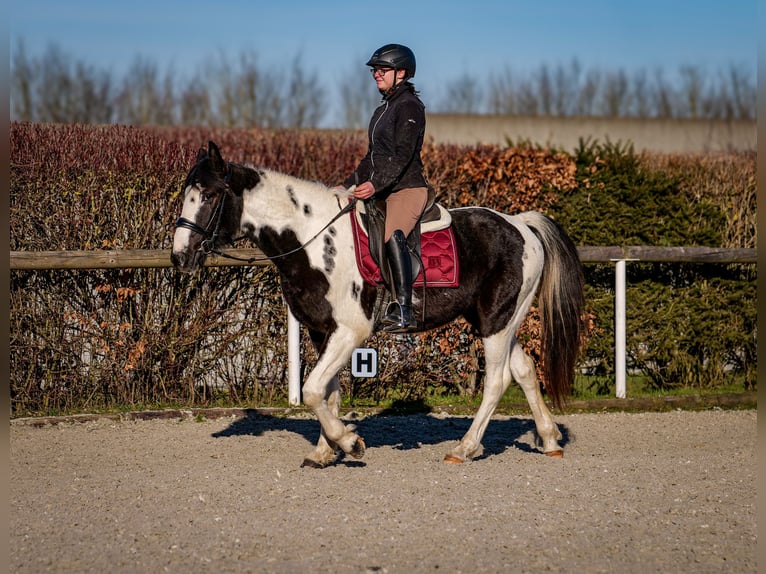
x=187, y=262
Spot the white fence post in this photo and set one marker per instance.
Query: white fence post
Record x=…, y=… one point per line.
x=619, y=328
x=293, y=359
x=620, y=319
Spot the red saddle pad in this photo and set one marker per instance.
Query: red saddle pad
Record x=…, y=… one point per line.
x=438, y=251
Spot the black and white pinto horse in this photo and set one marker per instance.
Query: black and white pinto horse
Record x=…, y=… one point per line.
x=504, y=261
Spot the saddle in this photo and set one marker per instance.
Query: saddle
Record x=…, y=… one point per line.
x=431, y=244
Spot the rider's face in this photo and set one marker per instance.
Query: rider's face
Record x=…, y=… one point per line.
x=384, y=77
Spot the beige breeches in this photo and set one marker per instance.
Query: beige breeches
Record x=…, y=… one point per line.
x=403, y=209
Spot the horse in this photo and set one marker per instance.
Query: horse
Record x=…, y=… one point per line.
x=304, y=228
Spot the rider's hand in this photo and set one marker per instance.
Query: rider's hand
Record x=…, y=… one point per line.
x=364, y=190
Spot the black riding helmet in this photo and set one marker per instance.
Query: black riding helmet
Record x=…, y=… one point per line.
x=394, y=56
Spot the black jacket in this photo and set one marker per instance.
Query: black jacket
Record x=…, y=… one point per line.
x=395, y=137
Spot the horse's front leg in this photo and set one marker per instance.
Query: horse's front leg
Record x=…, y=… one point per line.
x=321, y=393
x=326, y=451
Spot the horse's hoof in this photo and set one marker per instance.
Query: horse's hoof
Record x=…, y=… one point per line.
x=308, y=463
x=555, y=454
x=357, y=451
x=452, y=459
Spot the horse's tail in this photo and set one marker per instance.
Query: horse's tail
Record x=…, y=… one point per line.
x=561, y=301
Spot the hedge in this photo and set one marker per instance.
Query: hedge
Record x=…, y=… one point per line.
x=129, y=338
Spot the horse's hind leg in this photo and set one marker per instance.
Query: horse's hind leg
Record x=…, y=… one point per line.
x=498, y=378
x=523, y=370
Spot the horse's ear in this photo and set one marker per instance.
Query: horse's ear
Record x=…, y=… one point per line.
x=215, y=157
x=201, y=154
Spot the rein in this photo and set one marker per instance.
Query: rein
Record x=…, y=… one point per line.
x=208, y=244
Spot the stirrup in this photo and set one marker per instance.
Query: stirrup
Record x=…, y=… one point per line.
x=397, y=319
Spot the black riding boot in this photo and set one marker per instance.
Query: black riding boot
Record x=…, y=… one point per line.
x=399, y=318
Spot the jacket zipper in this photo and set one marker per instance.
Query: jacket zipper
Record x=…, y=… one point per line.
x=372, y=139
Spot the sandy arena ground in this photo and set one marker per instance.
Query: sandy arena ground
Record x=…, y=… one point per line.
x=634, y=493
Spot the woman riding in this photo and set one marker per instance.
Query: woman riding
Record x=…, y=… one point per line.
x=393, y=171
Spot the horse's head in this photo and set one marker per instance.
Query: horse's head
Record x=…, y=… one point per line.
x=211, y=209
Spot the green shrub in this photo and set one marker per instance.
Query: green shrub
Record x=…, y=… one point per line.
x=688, y=325
x=620, y=201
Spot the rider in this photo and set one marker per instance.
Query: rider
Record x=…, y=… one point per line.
x=393, y=171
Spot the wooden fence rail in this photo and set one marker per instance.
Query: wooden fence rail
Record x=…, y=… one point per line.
x=135, y=258
x=146, y=258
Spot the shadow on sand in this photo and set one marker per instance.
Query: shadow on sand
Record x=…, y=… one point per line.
x=404, y=426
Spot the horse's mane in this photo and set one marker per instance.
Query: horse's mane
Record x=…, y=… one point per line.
x=286, y=181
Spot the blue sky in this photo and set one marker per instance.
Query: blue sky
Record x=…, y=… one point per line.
x=449, y=38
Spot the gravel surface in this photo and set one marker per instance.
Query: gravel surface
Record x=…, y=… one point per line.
x=635, y=492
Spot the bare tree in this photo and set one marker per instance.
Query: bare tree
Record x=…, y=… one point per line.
x=95, y=89
x=463, y=96
x=545, y=91
x=250, y=95
x=358, y=95
x=502, y=94
x=244, y=97
x=640, y=95
x=55, y=88
x=528, y=98
x=305, y=98
x=587, y=94
x=664, y=97
x=226, y=94
x=565, y=88
x=195, y=107
x=615, y=97
x=272, y=108
x=241, y=93
x=58, y=89
x=144, y=98
x=256, y=101
x=744, y=94
x=692, y=90
x=22, y=86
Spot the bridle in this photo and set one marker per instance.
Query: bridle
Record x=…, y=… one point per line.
x=209, y=238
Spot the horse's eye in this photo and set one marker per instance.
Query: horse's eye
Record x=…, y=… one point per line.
x=206, y=196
